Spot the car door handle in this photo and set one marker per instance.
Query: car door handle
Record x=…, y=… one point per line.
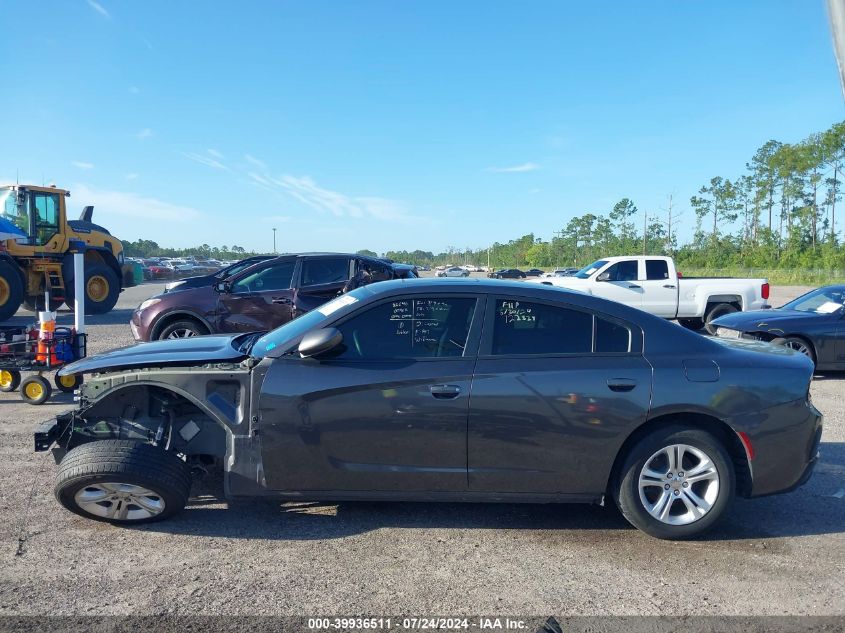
x=445, y=392
x=280, y=300
x=621, y=384
x=634, y=286
x=668, y=286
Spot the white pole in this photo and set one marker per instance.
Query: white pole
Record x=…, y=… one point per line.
x=79, y=292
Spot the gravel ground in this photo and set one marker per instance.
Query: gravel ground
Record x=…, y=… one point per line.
x=776, y=555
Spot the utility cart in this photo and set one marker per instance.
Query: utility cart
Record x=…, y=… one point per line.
x=26, y=349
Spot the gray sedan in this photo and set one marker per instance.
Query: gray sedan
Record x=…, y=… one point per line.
x=445, y=390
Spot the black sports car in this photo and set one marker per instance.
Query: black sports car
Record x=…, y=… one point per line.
x=507, y=273
x=813, y=324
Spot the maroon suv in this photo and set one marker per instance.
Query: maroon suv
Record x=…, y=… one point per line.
x=261, y=297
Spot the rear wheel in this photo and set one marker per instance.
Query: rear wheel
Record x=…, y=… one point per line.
x=11, y=290
x=68, y=384
x=799, y=345
x=9, y=380
x=715, y=312
x=675, y=483
x=185, y=328
x=35, y=390
x=102, y=288
x=123, y=482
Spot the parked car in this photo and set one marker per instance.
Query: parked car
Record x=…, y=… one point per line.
x=533, y=272
x=507, y=273
x=574, y=398
x=454, y=271
x=154, y=271
x=220, y=275
x=423, y=267
x=259, y=297
x=813, y=324
x=654, y=285
x=561, y=272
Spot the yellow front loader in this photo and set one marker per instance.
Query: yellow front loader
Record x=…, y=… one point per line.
x=41, y=259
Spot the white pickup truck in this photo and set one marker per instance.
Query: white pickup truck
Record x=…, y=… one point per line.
x=654, y=285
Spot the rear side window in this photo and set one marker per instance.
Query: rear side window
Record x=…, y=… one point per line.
x=325, y=270
x=522, y=327
x=656, y=269
x=409, y=328
x=612, y=337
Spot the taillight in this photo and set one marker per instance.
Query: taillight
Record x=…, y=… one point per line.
x=764, y=290
x=679, y=274
x=746, y=443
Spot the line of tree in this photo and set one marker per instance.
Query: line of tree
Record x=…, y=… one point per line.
x=779, y=214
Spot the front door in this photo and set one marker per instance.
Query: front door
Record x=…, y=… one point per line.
x=555, y=389
x=621, y=284
x=259, y=299
x=660, y=291
x=387, y=412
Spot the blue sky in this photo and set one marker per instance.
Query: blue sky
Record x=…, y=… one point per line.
x=397, y=124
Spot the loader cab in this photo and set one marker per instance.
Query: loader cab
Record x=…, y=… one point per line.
x=38, y=212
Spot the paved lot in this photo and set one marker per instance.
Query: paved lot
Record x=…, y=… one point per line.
x=777, y=555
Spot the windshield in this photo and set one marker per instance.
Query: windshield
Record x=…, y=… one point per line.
x=14, y=212
x=586, y=271
x=282, y=336
x=821, y=301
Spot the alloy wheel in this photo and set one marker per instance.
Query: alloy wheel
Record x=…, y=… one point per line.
x=678, y=484
x=182, y=333
x=124, y=502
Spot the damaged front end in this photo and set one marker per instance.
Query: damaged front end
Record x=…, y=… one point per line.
x=191, y=411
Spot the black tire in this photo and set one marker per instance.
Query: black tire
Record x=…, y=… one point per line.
x=177, y=328
x=36, y=304
x=692, y=324
x=67, y=384
x=627, y=491
x=798, y=344
x=718, y=310
x=123, y=462
x=11, y=290
x=10, y=380
x=105, y=280
x=35, y=389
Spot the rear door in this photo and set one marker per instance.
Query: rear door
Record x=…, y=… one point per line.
x=660, y=290
x=386, y=412
x=555, y=389
x=260, y=298
x=320, y=279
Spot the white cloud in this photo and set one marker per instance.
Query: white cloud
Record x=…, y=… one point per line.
x=205, y=160
x=304, y=189
x=215, y=153
x=133, y=205
x=98, y=8
x=515, y=168
x=132, y=176
x=144, y=134
x=252, y=160
x=82, y=165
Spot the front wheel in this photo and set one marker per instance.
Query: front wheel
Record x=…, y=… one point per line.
x=675, y=483
x=182, y=329
x=123, y=482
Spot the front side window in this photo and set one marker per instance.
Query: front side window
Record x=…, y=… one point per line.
x=46, y=215
x=275, y=277
x=324, y=270
x=623, y=271
x=524, y=327
x=433, y=327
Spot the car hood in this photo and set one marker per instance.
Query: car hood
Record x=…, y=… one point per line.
x=757, y=320
x=195, y=350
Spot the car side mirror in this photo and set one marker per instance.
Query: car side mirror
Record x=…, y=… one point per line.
x=603, y=277
x=222, y=287
x=319, y=342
